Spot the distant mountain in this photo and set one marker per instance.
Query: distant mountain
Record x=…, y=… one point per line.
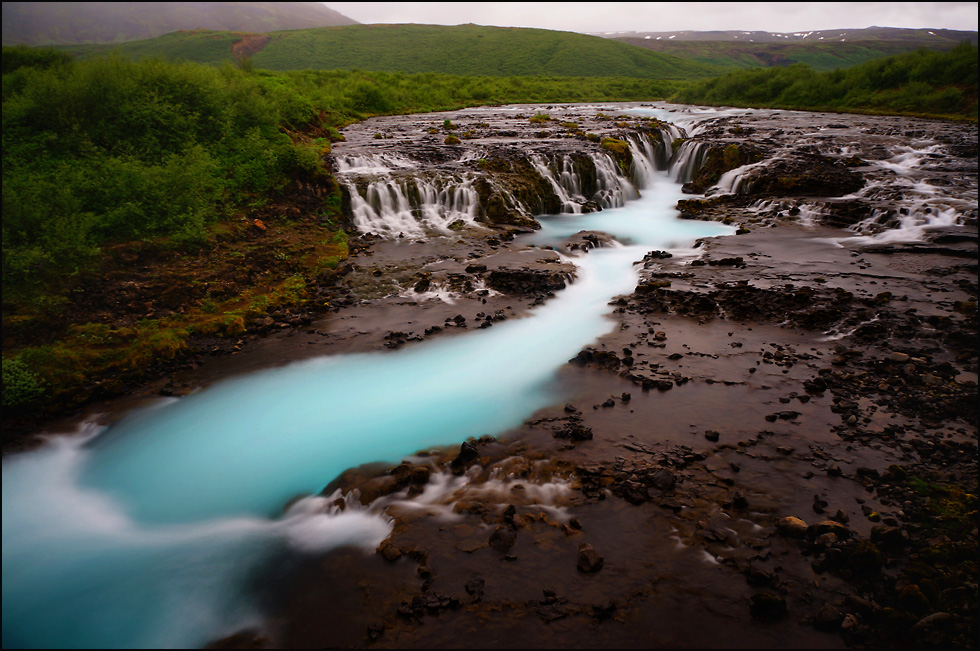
x=822, y=50
x=460, y=50
x=51, y=23
x=948, y=37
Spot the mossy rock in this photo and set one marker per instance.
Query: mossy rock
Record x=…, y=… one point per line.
x=620, y=150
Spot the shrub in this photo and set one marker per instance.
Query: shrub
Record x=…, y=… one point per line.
x=20, y=384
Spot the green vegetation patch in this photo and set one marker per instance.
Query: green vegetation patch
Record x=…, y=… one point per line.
x=923, y=83
x=822, y=56
x=467, y=50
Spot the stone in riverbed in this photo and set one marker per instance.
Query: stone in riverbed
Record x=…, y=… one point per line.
x=662, y=479
x=589, y=560
x=467, y=454
x=526, y=281
x=600, y=358
x=829, y=526
x=574, y=431
x=503, y=538
x=792, y=527
x=828, y=618
x=474, y=587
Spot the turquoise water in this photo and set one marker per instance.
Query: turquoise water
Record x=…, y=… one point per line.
x=146, y=534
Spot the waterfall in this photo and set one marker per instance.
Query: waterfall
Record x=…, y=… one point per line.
x=384, y=208
x=442, y=206
x=571, y=202
x=388, y=199
x=152, y=532
x=371, y=164
x=667, y=137
x=811, y=215
x=614, y=190
x=644, y=161
x=396, y=207
x=913, y=204
x=736, y=180
x=569, y=178
x=688, y=159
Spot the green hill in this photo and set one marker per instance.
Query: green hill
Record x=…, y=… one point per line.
x=819, y=55
x=820, y=50
x=195, y=46
x=50, y=23
x=470, y=50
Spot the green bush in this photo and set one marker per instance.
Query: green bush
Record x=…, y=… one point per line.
x=22, y=56
x=20, y=384
x=112, y=150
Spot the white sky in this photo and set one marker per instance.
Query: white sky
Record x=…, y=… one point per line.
x=591, y=17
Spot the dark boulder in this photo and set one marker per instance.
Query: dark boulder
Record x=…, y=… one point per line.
x=589, y=560
x=597, y=358
x=526, y=281
x=467, y=454
x=503, y=538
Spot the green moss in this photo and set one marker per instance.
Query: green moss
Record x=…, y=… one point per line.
x=732, y=156
x=616, y=146
x=620, y=151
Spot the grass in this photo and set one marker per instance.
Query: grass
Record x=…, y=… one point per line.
x=464, y=50
x=821, y=56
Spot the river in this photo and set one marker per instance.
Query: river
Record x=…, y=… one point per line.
x=145, y=534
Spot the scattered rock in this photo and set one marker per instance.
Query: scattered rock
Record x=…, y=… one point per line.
x=589, y=560
x=792, y=527
x=503, y=538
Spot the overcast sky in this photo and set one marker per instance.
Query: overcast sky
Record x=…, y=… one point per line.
x=590, y=17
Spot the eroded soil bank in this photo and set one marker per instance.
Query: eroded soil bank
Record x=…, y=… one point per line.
x=776, y=447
